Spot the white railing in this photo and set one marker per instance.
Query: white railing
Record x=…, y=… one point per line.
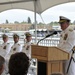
x=46, y=42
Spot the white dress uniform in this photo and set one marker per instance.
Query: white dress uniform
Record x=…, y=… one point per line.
x=15, y=48
x=5, y=49
x=66, y=43
x=27, y=49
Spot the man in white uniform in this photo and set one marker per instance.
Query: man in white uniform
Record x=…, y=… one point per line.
x=27, y=46
x=4, y=51
x=17, y=46
x=5, y=47
x=27, y=50
x=67, y=42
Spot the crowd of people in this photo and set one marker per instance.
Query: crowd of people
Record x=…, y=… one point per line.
x=7, y=50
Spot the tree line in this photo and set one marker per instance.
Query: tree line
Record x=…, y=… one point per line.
x=28, y=21
x=40, y=23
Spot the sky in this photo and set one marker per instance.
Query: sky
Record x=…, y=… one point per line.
x=51, y=14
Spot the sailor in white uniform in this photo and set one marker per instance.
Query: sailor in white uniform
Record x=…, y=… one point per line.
x=67, y=42
x=17, y=47
x=27, y=50
x=5, y=47
x=27, y=46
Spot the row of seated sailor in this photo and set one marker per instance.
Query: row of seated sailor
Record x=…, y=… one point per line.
x=6, y=49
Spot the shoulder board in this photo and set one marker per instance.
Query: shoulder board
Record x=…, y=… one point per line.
x=71, y=30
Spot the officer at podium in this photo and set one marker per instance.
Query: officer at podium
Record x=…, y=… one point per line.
x=67, y=41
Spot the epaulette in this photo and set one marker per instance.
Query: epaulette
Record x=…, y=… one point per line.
x=71, y=30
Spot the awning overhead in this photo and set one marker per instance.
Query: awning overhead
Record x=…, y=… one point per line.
x=41, y=5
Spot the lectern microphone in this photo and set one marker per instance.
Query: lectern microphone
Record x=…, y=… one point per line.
x=53, y=33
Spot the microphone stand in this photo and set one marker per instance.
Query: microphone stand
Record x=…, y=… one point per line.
x=73, y=51
x=40, y=40
x=55, y=32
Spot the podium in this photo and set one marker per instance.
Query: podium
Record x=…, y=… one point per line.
x=50, y=59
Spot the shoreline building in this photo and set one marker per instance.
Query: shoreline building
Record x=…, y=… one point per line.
x=15, y=27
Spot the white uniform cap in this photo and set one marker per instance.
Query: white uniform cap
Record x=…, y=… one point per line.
x=4, y=36
x=63, y=19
